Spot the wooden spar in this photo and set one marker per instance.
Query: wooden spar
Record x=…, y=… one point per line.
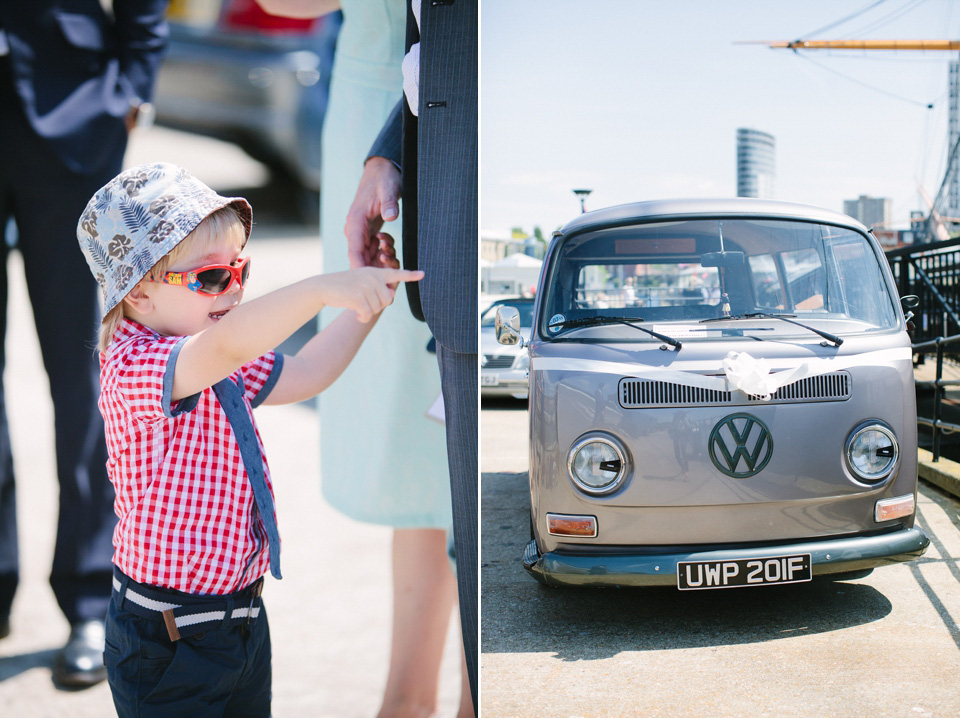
x=928, y=45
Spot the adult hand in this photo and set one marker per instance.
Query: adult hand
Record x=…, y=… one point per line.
x=376, y=202
x=387, y=256
x=140, y=114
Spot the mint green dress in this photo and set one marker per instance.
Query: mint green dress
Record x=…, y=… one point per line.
x=382, y=459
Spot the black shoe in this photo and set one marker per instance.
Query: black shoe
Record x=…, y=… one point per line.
x=80, y=663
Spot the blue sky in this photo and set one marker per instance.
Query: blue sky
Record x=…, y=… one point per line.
x=641, y=99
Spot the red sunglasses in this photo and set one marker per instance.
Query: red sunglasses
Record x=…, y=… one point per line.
x=213, y=279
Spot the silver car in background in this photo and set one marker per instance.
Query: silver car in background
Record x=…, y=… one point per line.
x=235, y=73
x=503, y=368
x=721, y=395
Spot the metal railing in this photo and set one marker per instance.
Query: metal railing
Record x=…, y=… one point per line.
x=932, y=273
x=937, y=425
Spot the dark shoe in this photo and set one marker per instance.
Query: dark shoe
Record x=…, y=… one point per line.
x=4, y=626
x=80, y=663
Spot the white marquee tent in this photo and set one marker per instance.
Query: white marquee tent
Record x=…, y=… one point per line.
x=516, y=273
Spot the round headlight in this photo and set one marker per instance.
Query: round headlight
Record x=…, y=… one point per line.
x=872, y=451
x=597, y=464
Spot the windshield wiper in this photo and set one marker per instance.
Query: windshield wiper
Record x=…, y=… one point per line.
x=837, y=341
x=604, y=319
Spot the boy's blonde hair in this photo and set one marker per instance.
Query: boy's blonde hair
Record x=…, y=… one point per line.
x=219, y=227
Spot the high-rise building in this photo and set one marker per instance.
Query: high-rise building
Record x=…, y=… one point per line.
x=755, y=163
x=871, y=211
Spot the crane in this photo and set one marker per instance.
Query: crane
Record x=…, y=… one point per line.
x=926, y=45
x=935, y=223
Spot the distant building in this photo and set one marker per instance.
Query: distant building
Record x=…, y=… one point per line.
x=871, y=211
x=889, y=238
x=494, y=246
x=917, y=221
x=755, y=163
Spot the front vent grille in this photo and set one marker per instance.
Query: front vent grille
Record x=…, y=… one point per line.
x=826, y=387
x=637, y=393
x=648, y=393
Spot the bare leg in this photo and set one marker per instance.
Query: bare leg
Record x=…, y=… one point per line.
x=424, y=593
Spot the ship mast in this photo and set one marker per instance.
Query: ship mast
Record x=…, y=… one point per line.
x=935, y=223
x=927, y=45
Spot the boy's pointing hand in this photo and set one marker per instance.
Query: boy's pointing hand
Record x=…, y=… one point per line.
x=367, y=290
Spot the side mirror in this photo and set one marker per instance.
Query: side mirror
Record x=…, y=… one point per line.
x=909, y=302
x=721, y=259
x=506, y=326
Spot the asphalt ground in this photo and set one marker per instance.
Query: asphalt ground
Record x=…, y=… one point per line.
x=329, y=616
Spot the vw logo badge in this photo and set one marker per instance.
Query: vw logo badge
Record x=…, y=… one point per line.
x=740, y=445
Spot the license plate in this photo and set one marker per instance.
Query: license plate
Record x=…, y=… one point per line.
x=733, y=573
x=489, y=380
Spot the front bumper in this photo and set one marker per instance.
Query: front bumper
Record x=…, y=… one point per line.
x=828, y=556
x=505, y=383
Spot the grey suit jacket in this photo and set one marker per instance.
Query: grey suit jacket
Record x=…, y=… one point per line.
x=446, y=229
x=78, y=69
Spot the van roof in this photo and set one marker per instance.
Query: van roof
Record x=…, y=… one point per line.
x=729, y=207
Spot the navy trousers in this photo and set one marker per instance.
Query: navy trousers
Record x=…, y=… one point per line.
x=220, y=673
x=458, y=374
x=46, y=200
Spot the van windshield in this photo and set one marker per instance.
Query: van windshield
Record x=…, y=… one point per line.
x=679, y=274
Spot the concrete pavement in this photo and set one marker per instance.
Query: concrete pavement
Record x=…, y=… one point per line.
x=329, y=616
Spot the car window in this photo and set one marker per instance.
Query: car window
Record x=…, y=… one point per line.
x=805, y=278
x=766, y=281
x=619, y=286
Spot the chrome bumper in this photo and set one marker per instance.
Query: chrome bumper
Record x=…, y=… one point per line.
x=829, y=556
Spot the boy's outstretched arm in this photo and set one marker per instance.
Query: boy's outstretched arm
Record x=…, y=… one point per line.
x=328, y=353
x=254, y=328
x=321, y=360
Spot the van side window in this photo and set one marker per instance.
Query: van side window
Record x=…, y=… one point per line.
x=766, y=282
x=866, y=300
x=805, y=278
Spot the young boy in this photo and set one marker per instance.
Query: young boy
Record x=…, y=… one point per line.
x=182, y=365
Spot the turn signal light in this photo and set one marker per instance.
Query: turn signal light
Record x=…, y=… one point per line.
x=894, y=508
x=569, y=525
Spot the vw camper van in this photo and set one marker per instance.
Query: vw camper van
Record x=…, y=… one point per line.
x=721, y=395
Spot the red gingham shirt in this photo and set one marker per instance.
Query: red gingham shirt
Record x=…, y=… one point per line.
x=186, y=508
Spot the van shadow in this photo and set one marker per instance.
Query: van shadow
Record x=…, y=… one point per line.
x=519, y=615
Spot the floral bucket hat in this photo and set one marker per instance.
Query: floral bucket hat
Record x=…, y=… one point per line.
x=138, y=217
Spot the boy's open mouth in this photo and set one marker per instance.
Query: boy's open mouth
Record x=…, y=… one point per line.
x=216, y=316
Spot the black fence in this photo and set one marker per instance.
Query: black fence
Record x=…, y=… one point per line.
x=932, y=273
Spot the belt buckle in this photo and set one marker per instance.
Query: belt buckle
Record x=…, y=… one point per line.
x=171, y=623
x=255, y=592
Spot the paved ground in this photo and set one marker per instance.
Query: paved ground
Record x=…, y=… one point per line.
x=329, y=616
